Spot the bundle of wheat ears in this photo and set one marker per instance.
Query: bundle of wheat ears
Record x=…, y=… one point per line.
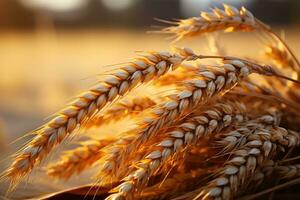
x=228, y=128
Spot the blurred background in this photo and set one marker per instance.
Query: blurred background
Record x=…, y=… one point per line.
x=52, y=49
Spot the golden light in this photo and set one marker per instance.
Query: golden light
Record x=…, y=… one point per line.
x=55, y=5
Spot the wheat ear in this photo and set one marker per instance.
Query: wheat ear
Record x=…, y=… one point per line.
x=75, y=161
x=261, y=144
x=141, y=70
x=240, y=167
x=126, y=107
x=228, y=19
x=210, y=121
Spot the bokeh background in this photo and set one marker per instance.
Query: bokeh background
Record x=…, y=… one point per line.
x=52, y=49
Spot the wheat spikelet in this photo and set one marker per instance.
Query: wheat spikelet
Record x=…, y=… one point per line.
x=127, y=107
x=237, y=137
x=260, y=176
x=75, y=161
x=228, y=19
x=141, y=70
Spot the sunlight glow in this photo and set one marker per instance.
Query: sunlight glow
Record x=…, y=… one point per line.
x=55, y=5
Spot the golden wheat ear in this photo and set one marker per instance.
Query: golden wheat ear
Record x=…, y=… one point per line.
x=205, y=123
x=253, y=146
x=229, y=19
x=75, y=161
